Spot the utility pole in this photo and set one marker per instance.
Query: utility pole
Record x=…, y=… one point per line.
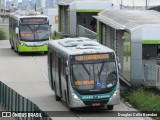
x=133, y=4
x=146, y=4
x=121, y=4
x=35, y=7
x=0, y=5
x=3, y=5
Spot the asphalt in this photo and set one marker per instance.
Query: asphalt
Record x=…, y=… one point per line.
x=27, y=74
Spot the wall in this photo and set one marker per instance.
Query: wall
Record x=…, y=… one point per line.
x=52, y=13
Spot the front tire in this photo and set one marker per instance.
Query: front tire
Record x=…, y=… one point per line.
x=12, y=47
x=46, y=52
x=20, y=53
x=71, y=109
x=11, y=44
x=57, y=98
x=110, y=107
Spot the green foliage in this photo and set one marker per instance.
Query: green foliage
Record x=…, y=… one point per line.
x=144, y=100
x=2, y=35
x=56, y=36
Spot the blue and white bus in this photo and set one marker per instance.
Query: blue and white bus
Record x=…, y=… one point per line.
x=83, y=73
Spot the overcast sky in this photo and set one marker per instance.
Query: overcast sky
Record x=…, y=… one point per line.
x=131, y=2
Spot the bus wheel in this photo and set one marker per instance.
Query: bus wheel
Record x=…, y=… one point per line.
x=46, y=52
x=56, y=96
x=11, y=44
x=20, y=53
x=15, y=48
x=71, y=109
x=110, y=107
x=12, y=47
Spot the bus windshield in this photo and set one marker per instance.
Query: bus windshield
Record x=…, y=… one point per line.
x=34, y=32
x=94, y=76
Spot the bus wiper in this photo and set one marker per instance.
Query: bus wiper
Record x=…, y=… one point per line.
x=85, y=68
x=101, y=69
x=37, y=27
x=30, y=28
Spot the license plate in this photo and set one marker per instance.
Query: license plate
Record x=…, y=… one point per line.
x=34, y=49
x=96, y=104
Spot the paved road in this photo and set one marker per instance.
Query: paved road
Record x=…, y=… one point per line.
x=27, y=74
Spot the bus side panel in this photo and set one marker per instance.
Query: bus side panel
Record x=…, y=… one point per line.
x=14, y=35
x=50, y=73
x=63, y=80
x=57, y=75
x=16, y=41
x=11, y=31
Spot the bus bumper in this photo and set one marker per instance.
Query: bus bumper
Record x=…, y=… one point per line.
x=23, y=48
x=115, y=99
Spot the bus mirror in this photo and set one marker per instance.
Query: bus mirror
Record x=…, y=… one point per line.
x=17, y=30
x=119, y=65
x=118, y=59
x=67, y=70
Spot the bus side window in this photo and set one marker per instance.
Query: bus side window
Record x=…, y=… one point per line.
x=65, y=65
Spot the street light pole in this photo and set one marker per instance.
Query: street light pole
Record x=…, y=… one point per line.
x=133, y=4
x=146, y=4
x=121, y=4
x=35, y=7
x=0, y=5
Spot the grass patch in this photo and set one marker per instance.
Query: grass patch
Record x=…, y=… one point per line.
x=2, y=35
x=144, y=100
x=56, y=36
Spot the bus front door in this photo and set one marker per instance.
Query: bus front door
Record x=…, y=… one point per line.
x=59, y=75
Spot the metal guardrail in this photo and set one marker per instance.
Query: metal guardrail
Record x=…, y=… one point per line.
x=84, y=32
x=152, y=75
x=13, y=102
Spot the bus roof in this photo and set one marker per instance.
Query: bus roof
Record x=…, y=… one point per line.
x=25, y=14
x=79, y=45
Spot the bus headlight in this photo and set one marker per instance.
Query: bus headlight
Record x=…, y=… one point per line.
x=45, y=43
x=22, y=43
x=75, y=96
x=115, y=93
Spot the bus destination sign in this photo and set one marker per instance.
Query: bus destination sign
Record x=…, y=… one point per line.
x=33, y=20
x=91, y=57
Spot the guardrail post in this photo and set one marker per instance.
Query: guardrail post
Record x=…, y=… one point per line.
x=26, y=108
x=3, y=95
x=30, y=110
x=6, y=97
x=22, y=104
x=18, y=109
x=13, y=102
x=0, y=92
x=9, y=98
x=15, y=99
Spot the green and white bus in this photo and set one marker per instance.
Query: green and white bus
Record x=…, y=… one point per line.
x=83, y=73
x=29, y=31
